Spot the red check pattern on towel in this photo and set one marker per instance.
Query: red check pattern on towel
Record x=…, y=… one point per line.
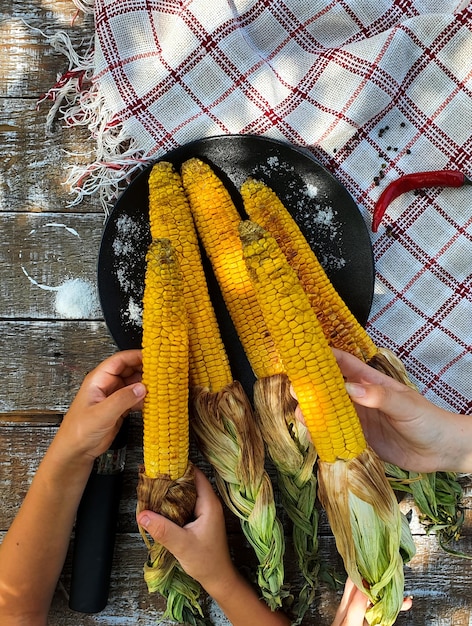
x=374, y=89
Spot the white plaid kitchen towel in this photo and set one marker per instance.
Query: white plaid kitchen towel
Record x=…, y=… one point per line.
x=374, y=89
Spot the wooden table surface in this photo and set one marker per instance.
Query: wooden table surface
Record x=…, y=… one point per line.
x=46, y=349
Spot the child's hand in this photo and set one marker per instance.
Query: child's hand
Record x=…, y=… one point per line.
x=105, y=397
x=353, y=606
x=201, y=546
x=351, y=610
x=401, y=425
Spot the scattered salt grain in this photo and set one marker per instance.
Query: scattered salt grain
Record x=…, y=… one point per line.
x=125, y=224
x=122, y=274
x=128, y=250
x=122, y=248
x=135, y=312
x=311, y=190
x=76, y=299
x=324, y=217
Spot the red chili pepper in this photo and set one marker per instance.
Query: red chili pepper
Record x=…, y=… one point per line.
x=418, y=180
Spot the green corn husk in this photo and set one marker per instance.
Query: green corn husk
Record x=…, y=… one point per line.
x=227, y=434
x=180, y=590
x=371, y=533
x=175, y=499
x=294, y=457
x=438, y=496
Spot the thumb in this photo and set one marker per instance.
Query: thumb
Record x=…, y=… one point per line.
x=396, y=399
x=162, y=530
x=123, y=400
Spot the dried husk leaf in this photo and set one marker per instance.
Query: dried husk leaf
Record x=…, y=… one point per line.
x=371, y=534
x=388, y=363
x=228, y=436
x=175, y=499
x=294, y=457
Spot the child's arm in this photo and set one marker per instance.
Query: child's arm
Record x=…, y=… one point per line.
x=33, y=551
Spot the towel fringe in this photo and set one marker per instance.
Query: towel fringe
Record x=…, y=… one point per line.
x=86, y=6
x=77, y=100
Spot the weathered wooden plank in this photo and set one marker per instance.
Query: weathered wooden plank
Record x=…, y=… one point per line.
x=45, y=362
x=22, y=446
x=440, y=586
x=34, y=163
x=48, y=265
x=53, y=418
x=28, y=64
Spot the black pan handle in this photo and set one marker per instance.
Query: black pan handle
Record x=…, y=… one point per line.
x=95, y=530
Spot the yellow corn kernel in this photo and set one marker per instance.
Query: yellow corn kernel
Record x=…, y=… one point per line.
x=170, y=217
x=318, y=383
x=165, y=365
x=217, y=220
x=340, y=327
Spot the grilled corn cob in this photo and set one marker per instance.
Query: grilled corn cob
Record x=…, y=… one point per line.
x=166, y=480
x=170, y=217
x=165, y=366
x=353, y=486
x=222, y=415
x=339, y=325
x=302, y=346
x=217, y=219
